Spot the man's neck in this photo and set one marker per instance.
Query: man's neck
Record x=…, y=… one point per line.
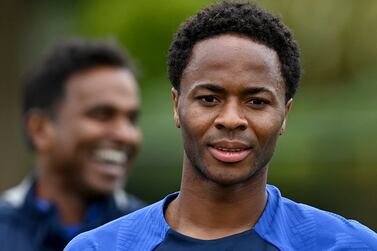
x=206, y=210
x=70, y=205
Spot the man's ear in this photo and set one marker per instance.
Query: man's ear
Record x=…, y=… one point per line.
x=288, y=107
x=40, y=130
x=175, y=97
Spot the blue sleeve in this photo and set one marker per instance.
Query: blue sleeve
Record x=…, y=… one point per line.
x=101, y=238
x=81, y=243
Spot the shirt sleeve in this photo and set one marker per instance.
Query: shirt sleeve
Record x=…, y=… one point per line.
x=82, y=243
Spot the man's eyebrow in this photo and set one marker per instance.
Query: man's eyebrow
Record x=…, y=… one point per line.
x=100, y=106
x=210, y=86
x=256, y=90
x=219, y=89
x=111, y=107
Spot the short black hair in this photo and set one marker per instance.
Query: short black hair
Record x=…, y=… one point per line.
x=240, y=18
x=44, y=85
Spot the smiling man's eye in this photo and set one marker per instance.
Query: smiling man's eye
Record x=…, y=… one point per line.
x=133, y=117
x=101, y=113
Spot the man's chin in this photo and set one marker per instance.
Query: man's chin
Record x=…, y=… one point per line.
x=101, y=186
x=98, y=192
x=104, y=178
x=227, y=178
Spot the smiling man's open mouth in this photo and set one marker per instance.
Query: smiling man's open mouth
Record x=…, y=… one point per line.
x=110, y=156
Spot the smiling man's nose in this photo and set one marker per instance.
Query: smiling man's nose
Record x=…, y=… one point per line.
x=125, y=132
x=231, y=117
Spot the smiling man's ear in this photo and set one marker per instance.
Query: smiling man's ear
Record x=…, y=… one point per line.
x=40, y=130
x=288, y=107
x=175, y=97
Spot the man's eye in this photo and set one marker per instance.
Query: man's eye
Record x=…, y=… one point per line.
x=101, y=114
x=208, y=99
x=258, y=102
x=133, y=117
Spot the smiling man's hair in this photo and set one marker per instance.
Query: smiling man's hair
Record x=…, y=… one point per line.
x=44, y=85
x=241, y=18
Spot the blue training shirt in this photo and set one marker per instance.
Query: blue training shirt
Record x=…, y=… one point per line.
x=284, y=225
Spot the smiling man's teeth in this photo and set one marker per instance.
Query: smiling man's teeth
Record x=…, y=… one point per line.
x=110, y=156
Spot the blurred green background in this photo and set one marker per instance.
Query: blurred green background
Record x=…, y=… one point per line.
x=326, y=158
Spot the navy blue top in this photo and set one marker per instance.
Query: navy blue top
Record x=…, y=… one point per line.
x=284, y=224
x=30, y=224
x=245, y=241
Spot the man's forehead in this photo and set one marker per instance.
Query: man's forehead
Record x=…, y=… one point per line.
x=101, y=82
x=221, y=47
x=110, y=87
x=228, y=56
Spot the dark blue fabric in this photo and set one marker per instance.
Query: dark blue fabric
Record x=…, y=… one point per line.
x=246, y=241
x=35, y=225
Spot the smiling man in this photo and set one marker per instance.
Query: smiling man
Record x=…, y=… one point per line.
x=234, y=69
x=80, y=110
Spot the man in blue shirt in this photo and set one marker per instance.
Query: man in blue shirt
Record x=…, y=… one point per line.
x=80, y=112
x=234, y=69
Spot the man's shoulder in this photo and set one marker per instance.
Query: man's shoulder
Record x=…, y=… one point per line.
x=6, y=208
x=14, y=197
x=8, y=213
x=137, y=231
x=16, y=227
x=322, y=229
x=347, y=233
x=11, y=202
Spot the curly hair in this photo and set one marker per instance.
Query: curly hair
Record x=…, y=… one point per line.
x=241, y=18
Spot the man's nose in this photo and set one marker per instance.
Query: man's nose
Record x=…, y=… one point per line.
x=125, y=132
x=231, y=117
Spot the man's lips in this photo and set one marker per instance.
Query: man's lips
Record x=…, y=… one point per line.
x=229, y=152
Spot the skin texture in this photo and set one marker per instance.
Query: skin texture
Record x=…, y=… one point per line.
x=231, y=96
x=98, y=111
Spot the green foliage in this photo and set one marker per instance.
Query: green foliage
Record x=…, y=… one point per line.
x=146, y=27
